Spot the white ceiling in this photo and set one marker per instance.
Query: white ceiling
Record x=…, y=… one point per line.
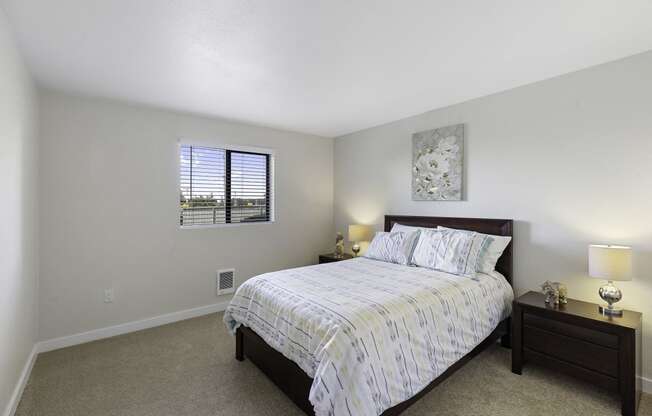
x=327, y=67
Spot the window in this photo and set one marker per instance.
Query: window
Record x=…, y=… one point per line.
x=223, y=186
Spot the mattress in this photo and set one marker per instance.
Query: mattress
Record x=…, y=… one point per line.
x=371, y=334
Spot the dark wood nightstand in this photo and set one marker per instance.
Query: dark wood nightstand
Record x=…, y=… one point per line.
x=330, y=258
x=578, y=340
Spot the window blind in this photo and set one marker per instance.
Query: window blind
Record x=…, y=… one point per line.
x=222, y=186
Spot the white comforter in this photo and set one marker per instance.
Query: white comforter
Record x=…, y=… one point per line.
x=371, y=334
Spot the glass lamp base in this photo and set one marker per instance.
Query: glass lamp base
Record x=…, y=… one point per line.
x=610, y=294
x=610, y=311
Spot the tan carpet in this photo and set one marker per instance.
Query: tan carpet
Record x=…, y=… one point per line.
x=188, y=368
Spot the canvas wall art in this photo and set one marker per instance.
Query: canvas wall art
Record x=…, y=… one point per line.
x=437, y=164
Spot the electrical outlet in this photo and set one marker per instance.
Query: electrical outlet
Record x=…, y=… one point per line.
x=108, y=295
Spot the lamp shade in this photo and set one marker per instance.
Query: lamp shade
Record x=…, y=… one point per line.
x=610, y=262
x=359, y=233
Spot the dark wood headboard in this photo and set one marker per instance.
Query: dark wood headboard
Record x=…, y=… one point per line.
x=481, y=225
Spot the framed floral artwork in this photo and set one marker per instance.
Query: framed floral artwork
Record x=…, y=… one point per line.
x=437, y=164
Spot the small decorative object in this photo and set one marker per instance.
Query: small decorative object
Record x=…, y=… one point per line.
x=339, y=245
x=552, y=294
x=610, y=263
x=358, y=234
x=563, y=293
x=437, y=164
x=556, y=293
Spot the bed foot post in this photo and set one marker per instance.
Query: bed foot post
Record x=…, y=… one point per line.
x=506, y=340
x=239, y=345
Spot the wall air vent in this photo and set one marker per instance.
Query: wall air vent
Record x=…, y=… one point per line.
x=225, y=281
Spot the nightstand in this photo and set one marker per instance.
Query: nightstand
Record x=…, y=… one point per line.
x=330, y=258
x=576, y=339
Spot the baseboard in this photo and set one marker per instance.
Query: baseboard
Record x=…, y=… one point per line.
x=111, y=331
x=22, y=382
x=646, y=385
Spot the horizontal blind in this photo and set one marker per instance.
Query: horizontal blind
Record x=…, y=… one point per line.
x=203, y=185
x=249, y=200
x=220, y=186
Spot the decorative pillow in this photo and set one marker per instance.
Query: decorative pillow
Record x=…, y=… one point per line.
x=392, y=247
x=446, y=250
x=489, y=247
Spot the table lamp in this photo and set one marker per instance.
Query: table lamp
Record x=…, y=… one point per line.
x=610, y=263
x=357, y=234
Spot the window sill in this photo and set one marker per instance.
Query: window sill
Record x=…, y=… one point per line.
x=235, y=224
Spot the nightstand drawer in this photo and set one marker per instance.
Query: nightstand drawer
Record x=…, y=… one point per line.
x=586, y=354
x=604, y=381
x=573, y=331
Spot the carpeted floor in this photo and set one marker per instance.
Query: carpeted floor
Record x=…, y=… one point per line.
x=188, y=368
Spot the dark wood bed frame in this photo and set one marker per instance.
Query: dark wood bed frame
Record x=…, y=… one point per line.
x=291, y=379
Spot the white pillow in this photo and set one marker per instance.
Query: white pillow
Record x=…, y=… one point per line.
x=446, y=250
x=490, y=248
x=392, y=247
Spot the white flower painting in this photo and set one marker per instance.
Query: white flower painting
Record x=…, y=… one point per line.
x=437, y=164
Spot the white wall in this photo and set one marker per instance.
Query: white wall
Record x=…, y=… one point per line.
x=109, y=212
x=569, y=159
x=18, y=241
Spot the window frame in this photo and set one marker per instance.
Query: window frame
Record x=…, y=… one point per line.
x=271, y=188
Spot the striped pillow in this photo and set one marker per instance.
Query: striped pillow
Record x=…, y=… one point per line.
x=393, y=247
x=447, y=250
x=490, y=248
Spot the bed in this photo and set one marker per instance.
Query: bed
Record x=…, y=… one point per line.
x=383, y=336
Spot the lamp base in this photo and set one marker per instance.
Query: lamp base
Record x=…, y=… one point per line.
x=355, y=249
x=610, y=294
x=610, y=311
